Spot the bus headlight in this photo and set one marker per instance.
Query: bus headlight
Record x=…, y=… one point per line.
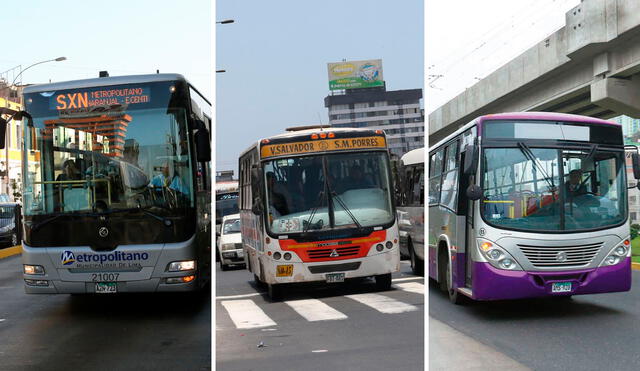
x=228, y=246
x=33, y=269
x=617, y=254
x=187, y=265
x=497, y=256
x=277, y=255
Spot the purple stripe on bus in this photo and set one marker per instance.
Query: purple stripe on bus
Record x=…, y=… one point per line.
x=490, y=283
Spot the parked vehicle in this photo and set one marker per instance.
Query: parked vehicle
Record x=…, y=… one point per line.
x=10, y=224
x=229, y=242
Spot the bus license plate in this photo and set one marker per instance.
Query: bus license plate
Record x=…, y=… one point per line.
x=334, y=277
x=106, y=288
x=561, y=287
x=284, y=270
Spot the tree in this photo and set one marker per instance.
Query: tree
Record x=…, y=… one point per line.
x=635, y=228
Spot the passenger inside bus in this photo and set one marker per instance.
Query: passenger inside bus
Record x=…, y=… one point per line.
x=165, y=180
x=574, y=186
x=69, y=171
x=277, y=196
x=355, y=180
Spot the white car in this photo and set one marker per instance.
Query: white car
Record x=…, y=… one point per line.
x=229, y=242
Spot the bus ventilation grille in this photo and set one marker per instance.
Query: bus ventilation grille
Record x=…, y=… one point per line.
x=561, y=256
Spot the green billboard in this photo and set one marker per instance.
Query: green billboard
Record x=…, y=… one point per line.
x=355, y=74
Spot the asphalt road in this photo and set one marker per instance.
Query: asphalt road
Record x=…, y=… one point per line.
x=590, y=332
x=120, y=332
x=320, y=328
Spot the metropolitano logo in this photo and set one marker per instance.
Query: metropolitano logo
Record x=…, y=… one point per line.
x=67, y=257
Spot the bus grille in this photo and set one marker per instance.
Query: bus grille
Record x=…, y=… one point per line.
x=343, y=252
x=560, y=256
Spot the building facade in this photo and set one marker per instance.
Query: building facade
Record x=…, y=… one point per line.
x=397, y=112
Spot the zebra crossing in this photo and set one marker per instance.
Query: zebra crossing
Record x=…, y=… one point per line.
x=246, y=314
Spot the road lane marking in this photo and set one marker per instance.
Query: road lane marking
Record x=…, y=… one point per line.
x=383, y=304
x=238, y=296
x=407, y=279
x=246, y=314
x=319, y=351
x=10, y=251
x=315, y=310
x=415, y=287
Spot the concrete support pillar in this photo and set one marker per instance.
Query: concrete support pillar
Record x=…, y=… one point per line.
x=619, y=95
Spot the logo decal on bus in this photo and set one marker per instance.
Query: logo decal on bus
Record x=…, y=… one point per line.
x=68, y=258
x=334, y=254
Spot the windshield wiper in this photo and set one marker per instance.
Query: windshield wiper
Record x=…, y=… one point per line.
x=536, y=164
x=346, y=209
x=307, y=223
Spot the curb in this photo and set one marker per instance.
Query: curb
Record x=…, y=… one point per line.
x=15, y=250
x=635, y=266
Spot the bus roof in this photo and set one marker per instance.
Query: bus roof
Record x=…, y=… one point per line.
x=307, y=133
x=546, y=116
x=413, y=157
x=103, y=81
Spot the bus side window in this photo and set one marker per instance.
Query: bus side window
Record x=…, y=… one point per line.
x=435, y=171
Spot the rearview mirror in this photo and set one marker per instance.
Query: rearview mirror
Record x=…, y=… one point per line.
x=635, y=161
x=474, y=192
x=256, y=208
x=470, y=159
x=203, y=145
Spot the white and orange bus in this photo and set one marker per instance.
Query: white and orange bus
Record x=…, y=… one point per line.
x=317, y=206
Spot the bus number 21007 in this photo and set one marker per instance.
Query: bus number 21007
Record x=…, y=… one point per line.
x=104, y=277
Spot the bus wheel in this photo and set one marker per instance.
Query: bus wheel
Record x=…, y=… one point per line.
x=417, y=266
x=257, y=281
x=442, y=267
x=275, y=292
x=383, y=282
x=454, y=296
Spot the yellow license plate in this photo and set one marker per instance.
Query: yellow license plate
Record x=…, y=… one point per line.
x=284, y=270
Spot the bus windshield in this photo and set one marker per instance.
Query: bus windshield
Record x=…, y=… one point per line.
x=323, y=192
x=553, y=189
x=106, y=149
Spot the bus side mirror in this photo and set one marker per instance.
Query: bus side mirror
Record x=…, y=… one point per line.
x=474, y=192
x=3, y=131
x=256, y=208
x=203, y=145
x=470, y=160
x=635, y=161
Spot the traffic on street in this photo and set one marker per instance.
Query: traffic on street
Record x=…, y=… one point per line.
x=345, y=326
x=156, y=331
x=584, y=332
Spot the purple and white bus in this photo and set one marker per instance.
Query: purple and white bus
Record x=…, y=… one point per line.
x=531, y=204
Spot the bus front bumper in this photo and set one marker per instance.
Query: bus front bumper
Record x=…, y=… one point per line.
x=377, y=264
x=490, y=283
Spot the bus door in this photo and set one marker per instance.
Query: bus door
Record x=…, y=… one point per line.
x=465, y=205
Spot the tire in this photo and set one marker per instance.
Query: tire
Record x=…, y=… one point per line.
x=217, y=255
x=417, y=265
x=454, y=296
x=274, y=291
x=14, y=239
x=223, y=267
x=443, y=258
x=383, y=282
x=259, y=284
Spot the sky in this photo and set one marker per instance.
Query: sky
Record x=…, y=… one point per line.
x=276, y=54
x=122, y=37
x=466, y=40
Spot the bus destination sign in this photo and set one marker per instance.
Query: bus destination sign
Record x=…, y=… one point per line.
x=104, y=97
x=324, y=145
